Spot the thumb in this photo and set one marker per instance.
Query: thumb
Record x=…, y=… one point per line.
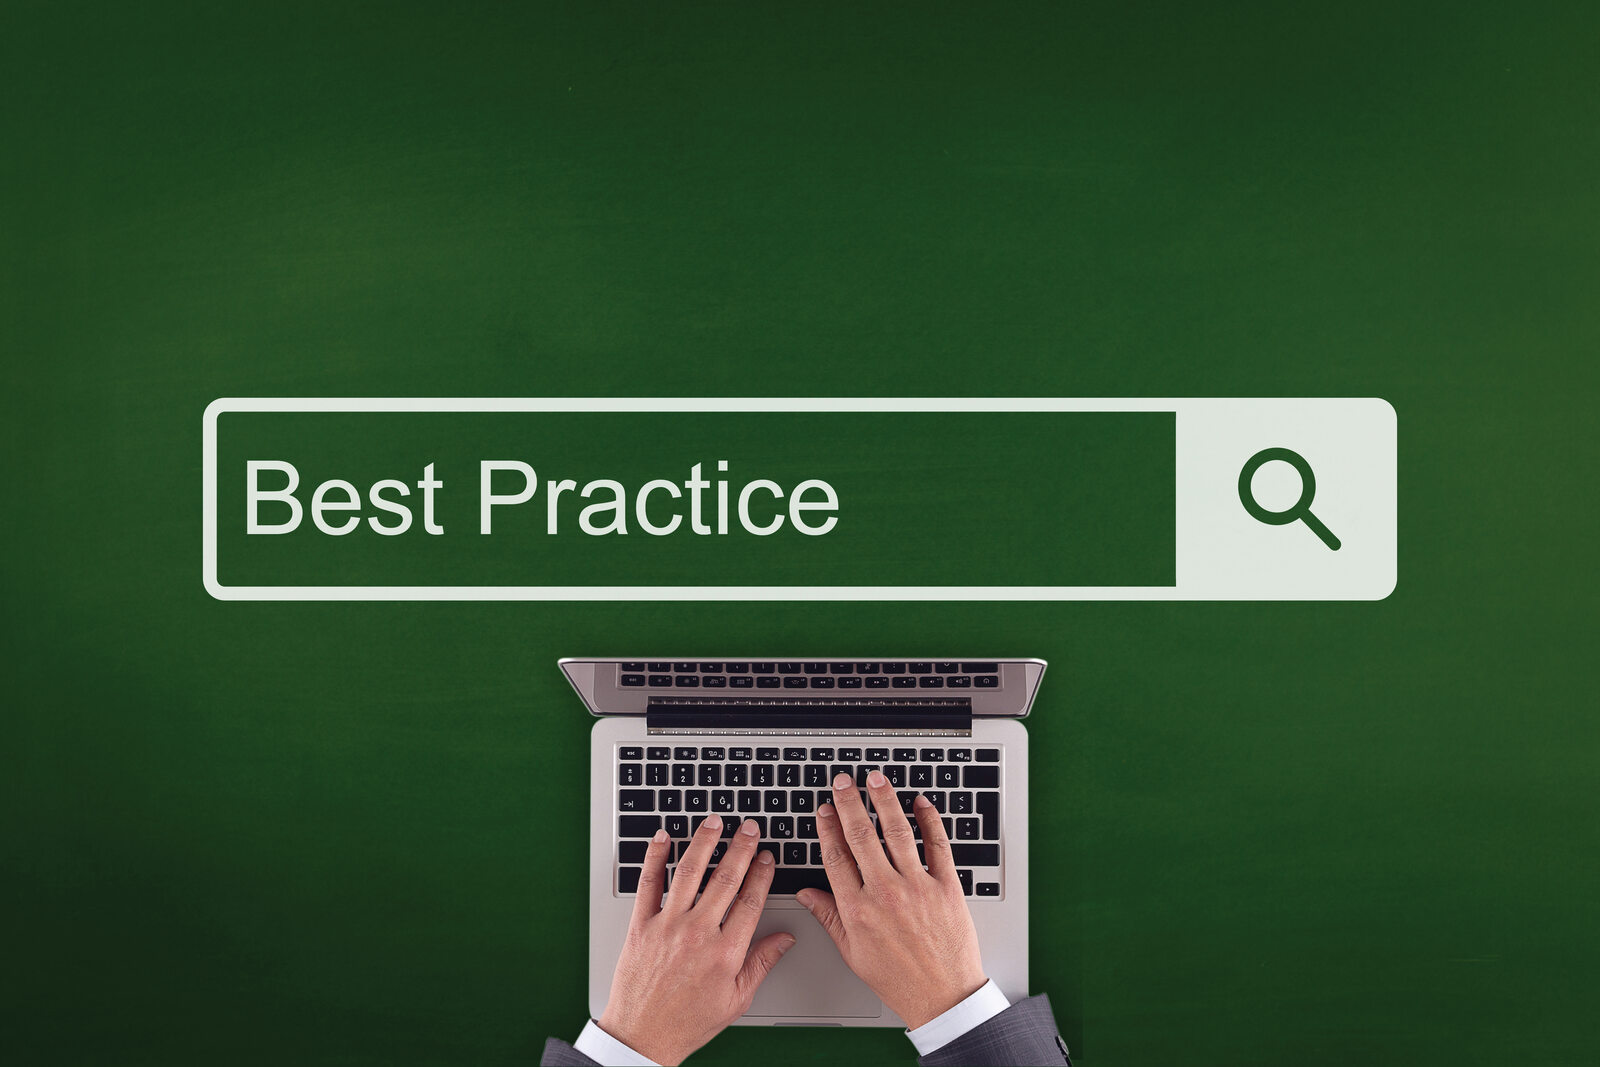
x=759, y=961
x=825, y=910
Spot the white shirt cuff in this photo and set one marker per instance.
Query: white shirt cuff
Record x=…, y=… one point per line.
x=604, y=1049
x=970, y=1014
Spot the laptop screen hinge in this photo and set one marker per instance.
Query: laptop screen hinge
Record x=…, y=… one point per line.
x=886, y=716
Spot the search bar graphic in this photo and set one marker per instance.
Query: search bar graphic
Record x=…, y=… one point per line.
x=772, y=498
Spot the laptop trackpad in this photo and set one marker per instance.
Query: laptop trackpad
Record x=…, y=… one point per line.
x=811, y=979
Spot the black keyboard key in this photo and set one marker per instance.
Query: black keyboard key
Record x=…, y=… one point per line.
x=966, y=882
x=851, y=754
x=961, y=803
x=676, y=825
x=866, y=668
x=906, y=799
x=631, y=851
x=989, y=808
x=896, y=776
x=906, y=682
x=816, y=855
x=762, y=668
x=670, y=800
x=822, y=683
x=788, y=775
x=722, y=801
x=788, y=668
x=715, y=681
x=737, y=774
x=630, y=774
x=987, y=681
x=840, y=668
x=686, y=681
x=682, y=668
x=768, y=754
x=655, y=774
x=932, y=681
x=800, y=800
x=931, y=755
x=966, y=829
x=763, y=774
x=797, y=754
x=787, y=881
x=980, y=777
x=660, y=679
x=761, y=824
x=959, y=681
x=921, y=777
x=633, y=679
x=876, y=755
x=637, y=825
x=936, y=798
x=659, y=752
x=862, y=772
x=749, y=800
x=628, y=879
x=710, y=774
x=816, y=668
x=742, y=681
x=660, y=666
x=921, y=668
x=988, y=889
x=767, y=682
x=630, y=752
x=905, y=755
x=737, y=668
x=893, y=668
x=636, y=800
x=775, y=800
x=988, y=755
x=852, y=682
x=794, y=854
x=686, y=753
x=683, y=774
x=739, y=753
x=959, y=755
x=782, y=827
x=879, y=682
x=695, y=800
x=794, y=683
x=979, y=668
x=710, y=668
x=947, y=776
x=806, y=825
x=971, y=855
x=772, y=847
x=816, y=776
x=949, y=826
x=944, y=668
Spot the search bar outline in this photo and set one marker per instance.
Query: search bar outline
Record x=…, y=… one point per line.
x=1217, y=558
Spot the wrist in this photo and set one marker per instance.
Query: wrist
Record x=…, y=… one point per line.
x=937, y=1003
x=638, y=1038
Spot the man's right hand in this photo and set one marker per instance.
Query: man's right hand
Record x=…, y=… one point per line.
x=904, y=930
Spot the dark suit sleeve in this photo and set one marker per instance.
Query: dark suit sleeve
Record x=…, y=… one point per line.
x=560, y=1054
x=1023, y=1034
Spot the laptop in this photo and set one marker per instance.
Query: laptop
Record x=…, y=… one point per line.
x=677, y=740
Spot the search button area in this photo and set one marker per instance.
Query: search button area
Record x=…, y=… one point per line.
x=1300, y=511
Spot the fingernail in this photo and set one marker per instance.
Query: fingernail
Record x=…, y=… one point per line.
x=825, y=810
x=660, y=837
x=921, y=802
x=876, y=779
x=749, y=828
x=763, y=856
x=841, y=781
x=787, y=945
x=715, y=822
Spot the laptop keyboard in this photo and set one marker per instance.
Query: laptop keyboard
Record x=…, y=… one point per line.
x=811, y=674
x=780, y=786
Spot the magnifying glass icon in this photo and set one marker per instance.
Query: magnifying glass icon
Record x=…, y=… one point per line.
x=1301, y=510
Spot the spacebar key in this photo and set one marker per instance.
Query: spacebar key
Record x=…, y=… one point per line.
x=791, y=880
x=975, y=855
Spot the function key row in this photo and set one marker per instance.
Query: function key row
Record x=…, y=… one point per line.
x=794, y=752
x=813, y=667
x=818, y=681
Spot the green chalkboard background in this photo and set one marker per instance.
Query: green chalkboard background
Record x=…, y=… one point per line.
x=340, y=833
